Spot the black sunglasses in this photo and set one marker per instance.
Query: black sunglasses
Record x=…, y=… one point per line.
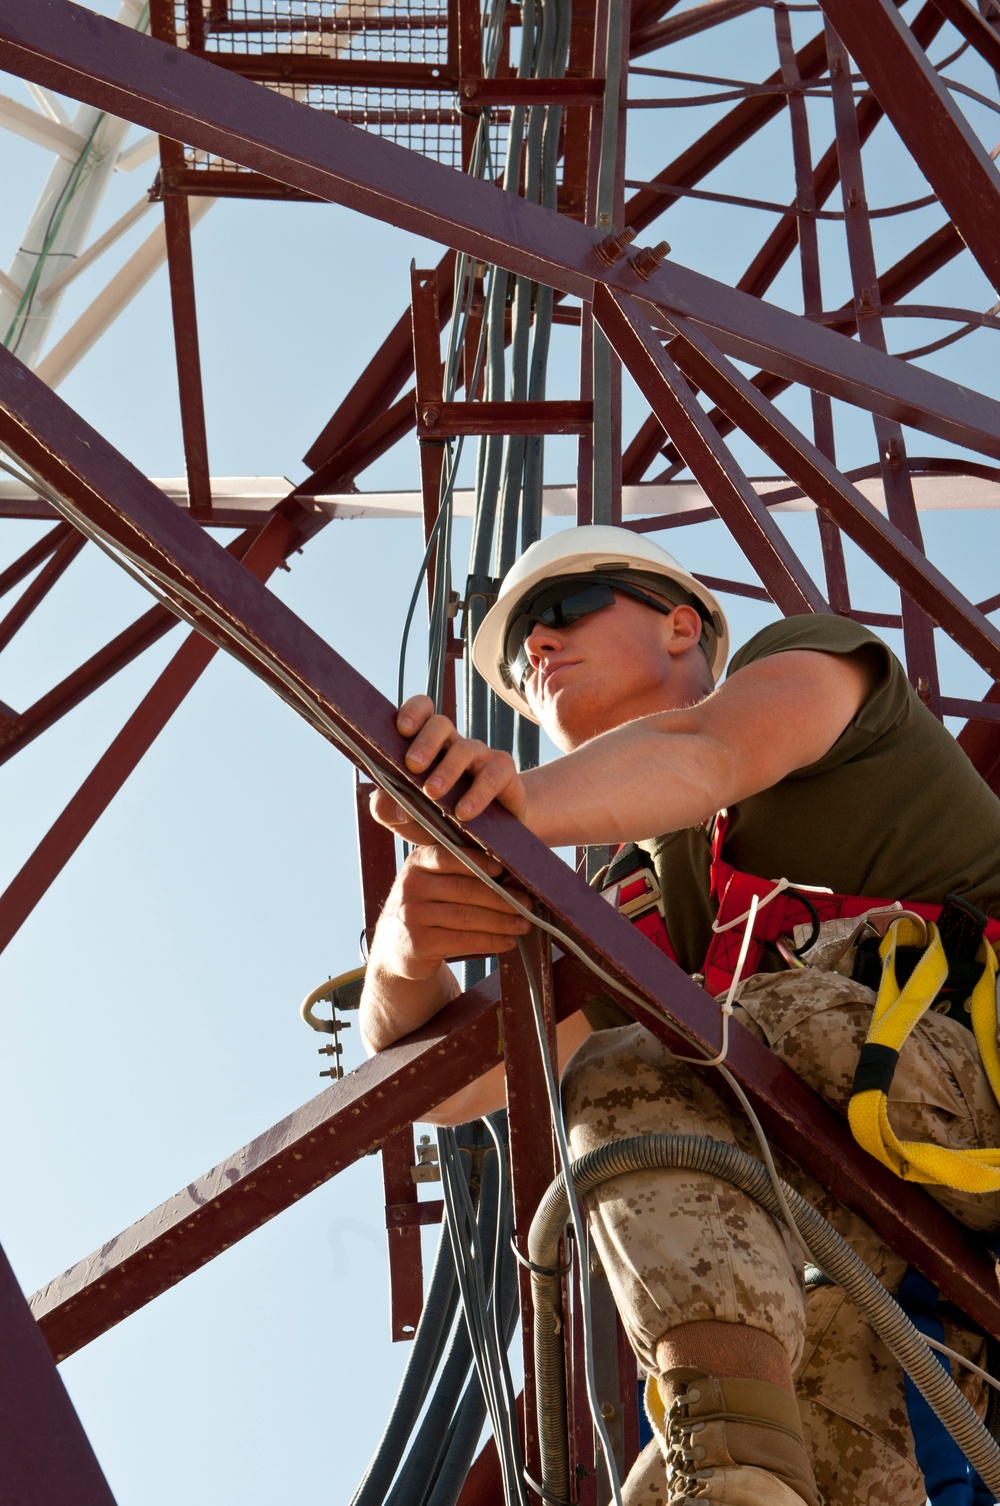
x=559, y=606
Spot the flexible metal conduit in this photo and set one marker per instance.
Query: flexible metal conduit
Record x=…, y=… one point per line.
x=832, y=1253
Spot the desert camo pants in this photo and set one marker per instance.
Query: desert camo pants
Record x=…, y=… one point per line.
x=679, y=1247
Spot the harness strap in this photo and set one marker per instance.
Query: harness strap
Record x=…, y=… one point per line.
x=631, y=885
x=898, y=1007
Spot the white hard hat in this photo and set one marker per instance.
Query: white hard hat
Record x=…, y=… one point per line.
x=593, y=550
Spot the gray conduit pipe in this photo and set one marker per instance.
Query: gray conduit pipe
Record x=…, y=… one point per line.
x=832, y=1253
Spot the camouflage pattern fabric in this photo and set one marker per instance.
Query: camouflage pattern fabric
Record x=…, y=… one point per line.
x=680, y=1247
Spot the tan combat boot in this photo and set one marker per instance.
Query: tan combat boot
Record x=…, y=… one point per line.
x=732, y=1442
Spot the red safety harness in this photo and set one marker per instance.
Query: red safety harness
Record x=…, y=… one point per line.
x=631, y=885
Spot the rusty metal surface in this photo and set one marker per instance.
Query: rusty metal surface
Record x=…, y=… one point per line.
x=45, y=1456
x=375, y=1102
x=56, y=44
x=264, y=633
x=291, y=149
x=272, y=545
x=386, y=1094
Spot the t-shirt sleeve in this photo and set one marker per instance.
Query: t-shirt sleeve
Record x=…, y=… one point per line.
x=889, y=702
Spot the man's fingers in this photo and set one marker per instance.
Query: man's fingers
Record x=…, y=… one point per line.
x=438, y=859
x=436, y=733
x=413, y=713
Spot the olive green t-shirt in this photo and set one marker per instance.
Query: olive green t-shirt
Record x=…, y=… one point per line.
x=894, y=810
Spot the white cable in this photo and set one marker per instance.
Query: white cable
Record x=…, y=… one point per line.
x=969, y=1365
x=417, y=805
x=727, y=1003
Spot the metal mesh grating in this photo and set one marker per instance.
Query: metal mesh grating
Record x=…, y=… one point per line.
x=358, y=30
x=427, y=122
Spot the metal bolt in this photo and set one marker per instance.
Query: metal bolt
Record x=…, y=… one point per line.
x=607, y=1410
x=336, y=1073
x=329, y=1050
x=612, y=247
x=645, y=262
x=470, y=90
x=430, y=415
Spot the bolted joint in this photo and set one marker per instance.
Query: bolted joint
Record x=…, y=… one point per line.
x=613, y=247
x=430, y=415
x=645, y=262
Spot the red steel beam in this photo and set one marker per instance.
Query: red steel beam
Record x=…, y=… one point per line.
x=392, y=364
x=98, y=669
x=533, y=1155
x=180, y=266
x=697, y=18
x=33, y=557
x=40, y=587
x=377, y=854
x=47, y=1458
x=901, y=560
x=913, y=269
x=60, y=45
x=974, y=28
x=367, y=1108
x=386, y=373
x=401, y=1084
x=266, y=636
x=272, y=545
x=555, y=416
x=713, y=467
x=930, y=125
x=718, y=143
x=361, y=449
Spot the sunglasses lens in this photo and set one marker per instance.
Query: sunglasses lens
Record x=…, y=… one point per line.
x=559, y=607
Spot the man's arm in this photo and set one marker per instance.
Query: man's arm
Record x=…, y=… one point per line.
x=438, y=909
x=677, y=768
x=659, y=773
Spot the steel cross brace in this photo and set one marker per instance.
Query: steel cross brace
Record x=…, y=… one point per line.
x=47, y=1458
x=62, y=46
x=265, y=635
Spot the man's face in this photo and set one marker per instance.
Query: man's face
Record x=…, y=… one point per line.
x=603, y=670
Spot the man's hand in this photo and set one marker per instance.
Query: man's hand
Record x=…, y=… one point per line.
x=438, y=749
x=438, y=909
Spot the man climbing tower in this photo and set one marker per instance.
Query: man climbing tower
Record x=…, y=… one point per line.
x=833, y=775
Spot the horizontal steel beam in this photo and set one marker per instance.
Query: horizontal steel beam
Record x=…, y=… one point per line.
x=354, y=1116
x=384, y=1095
x=60, y=45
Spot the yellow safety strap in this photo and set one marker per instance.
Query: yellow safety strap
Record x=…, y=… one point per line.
x=896, y=1012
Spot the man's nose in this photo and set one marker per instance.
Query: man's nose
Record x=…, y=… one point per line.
x=542, y=638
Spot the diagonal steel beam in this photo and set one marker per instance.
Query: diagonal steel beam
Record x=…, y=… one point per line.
x=930, y=125
x=819, y=478
x=58, y=44
x=272, y=545
x=102, y=489
x=632, y=336
x=47, y=1459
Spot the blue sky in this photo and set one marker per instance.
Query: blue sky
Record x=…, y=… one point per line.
x=150, y=1016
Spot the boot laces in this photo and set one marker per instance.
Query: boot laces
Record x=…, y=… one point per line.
x=684, y=1478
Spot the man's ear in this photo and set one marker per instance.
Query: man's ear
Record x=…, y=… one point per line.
x=685, y=630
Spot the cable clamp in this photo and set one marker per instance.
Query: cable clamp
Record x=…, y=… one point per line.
x=540, y=1490
x=540, y=1270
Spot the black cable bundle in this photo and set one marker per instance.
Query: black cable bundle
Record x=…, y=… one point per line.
x=473, y=1264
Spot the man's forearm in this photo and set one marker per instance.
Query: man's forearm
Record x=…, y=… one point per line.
x=634, y=782
x=392, y=1007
